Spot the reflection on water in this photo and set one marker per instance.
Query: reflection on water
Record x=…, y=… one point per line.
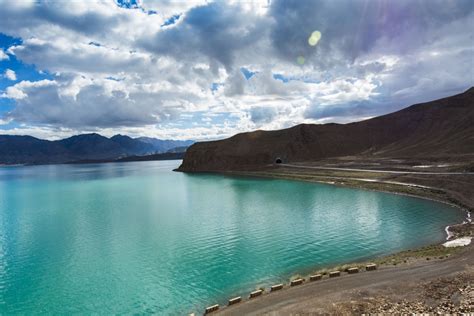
x=137, y=237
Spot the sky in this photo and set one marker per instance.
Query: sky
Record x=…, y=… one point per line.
x=202, y=69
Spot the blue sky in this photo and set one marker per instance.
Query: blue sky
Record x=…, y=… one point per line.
x=206, y=69
x=22, y=72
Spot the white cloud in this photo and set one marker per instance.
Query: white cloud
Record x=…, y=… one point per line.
x=20, y=90
x=10, y=75
x=4, y=122
x=167, y=8
x=3, y=56
x=119, y=70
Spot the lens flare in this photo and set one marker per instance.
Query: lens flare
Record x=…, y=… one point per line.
x=300, y=60
x=314, y=38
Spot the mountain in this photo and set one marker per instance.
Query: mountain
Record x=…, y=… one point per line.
x=162, y=146
x=23, y=149
x=31, y=150
x=91, y=145
x=134, y=146
x=440, y=128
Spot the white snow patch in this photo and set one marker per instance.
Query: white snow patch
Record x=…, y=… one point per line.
x=464, y=241
x=448, y=233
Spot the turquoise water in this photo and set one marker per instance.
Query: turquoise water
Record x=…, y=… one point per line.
x=139, y=238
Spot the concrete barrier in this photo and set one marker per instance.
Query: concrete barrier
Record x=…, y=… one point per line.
x=297, y=282
x=276, y=287
x=353, y=270
x=334, y=274
x=371, y=267
x=315, y=277
x=235, y=300
x=211, y=309
x=256, y=293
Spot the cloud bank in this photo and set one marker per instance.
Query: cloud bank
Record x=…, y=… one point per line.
x=209, y=69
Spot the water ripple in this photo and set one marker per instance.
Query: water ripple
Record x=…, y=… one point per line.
x=138, y=238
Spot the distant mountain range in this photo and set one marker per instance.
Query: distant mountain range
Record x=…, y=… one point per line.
x=436, y=129
x=85, y=147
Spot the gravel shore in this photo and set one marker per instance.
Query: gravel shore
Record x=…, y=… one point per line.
x=421, y=286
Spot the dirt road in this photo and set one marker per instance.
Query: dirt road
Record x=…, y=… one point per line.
x=378, y=170
x=313, y=297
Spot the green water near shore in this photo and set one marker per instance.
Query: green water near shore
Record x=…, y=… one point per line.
x=139, y=238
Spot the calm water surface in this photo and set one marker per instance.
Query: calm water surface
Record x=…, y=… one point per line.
x=138, y=238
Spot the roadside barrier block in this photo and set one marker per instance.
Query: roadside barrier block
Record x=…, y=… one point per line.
x=316, y=277
x=371, y=267
x=211, y=309
x=235, y=300
x=256, y=293
x=334, y=274
x=276, y=287
x=297, y=282
x=353, y=270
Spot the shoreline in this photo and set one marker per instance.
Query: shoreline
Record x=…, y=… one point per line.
x=432, y=254
x=390, y=281
x=244, y=174
x=146, y=158
x=457, y=205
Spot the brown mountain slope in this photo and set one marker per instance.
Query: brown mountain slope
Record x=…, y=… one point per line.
x=440, y=128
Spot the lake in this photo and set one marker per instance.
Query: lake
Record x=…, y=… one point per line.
x=139, y=238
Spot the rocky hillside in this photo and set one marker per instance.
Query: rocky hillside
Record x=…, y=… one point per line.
x=434, y=129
